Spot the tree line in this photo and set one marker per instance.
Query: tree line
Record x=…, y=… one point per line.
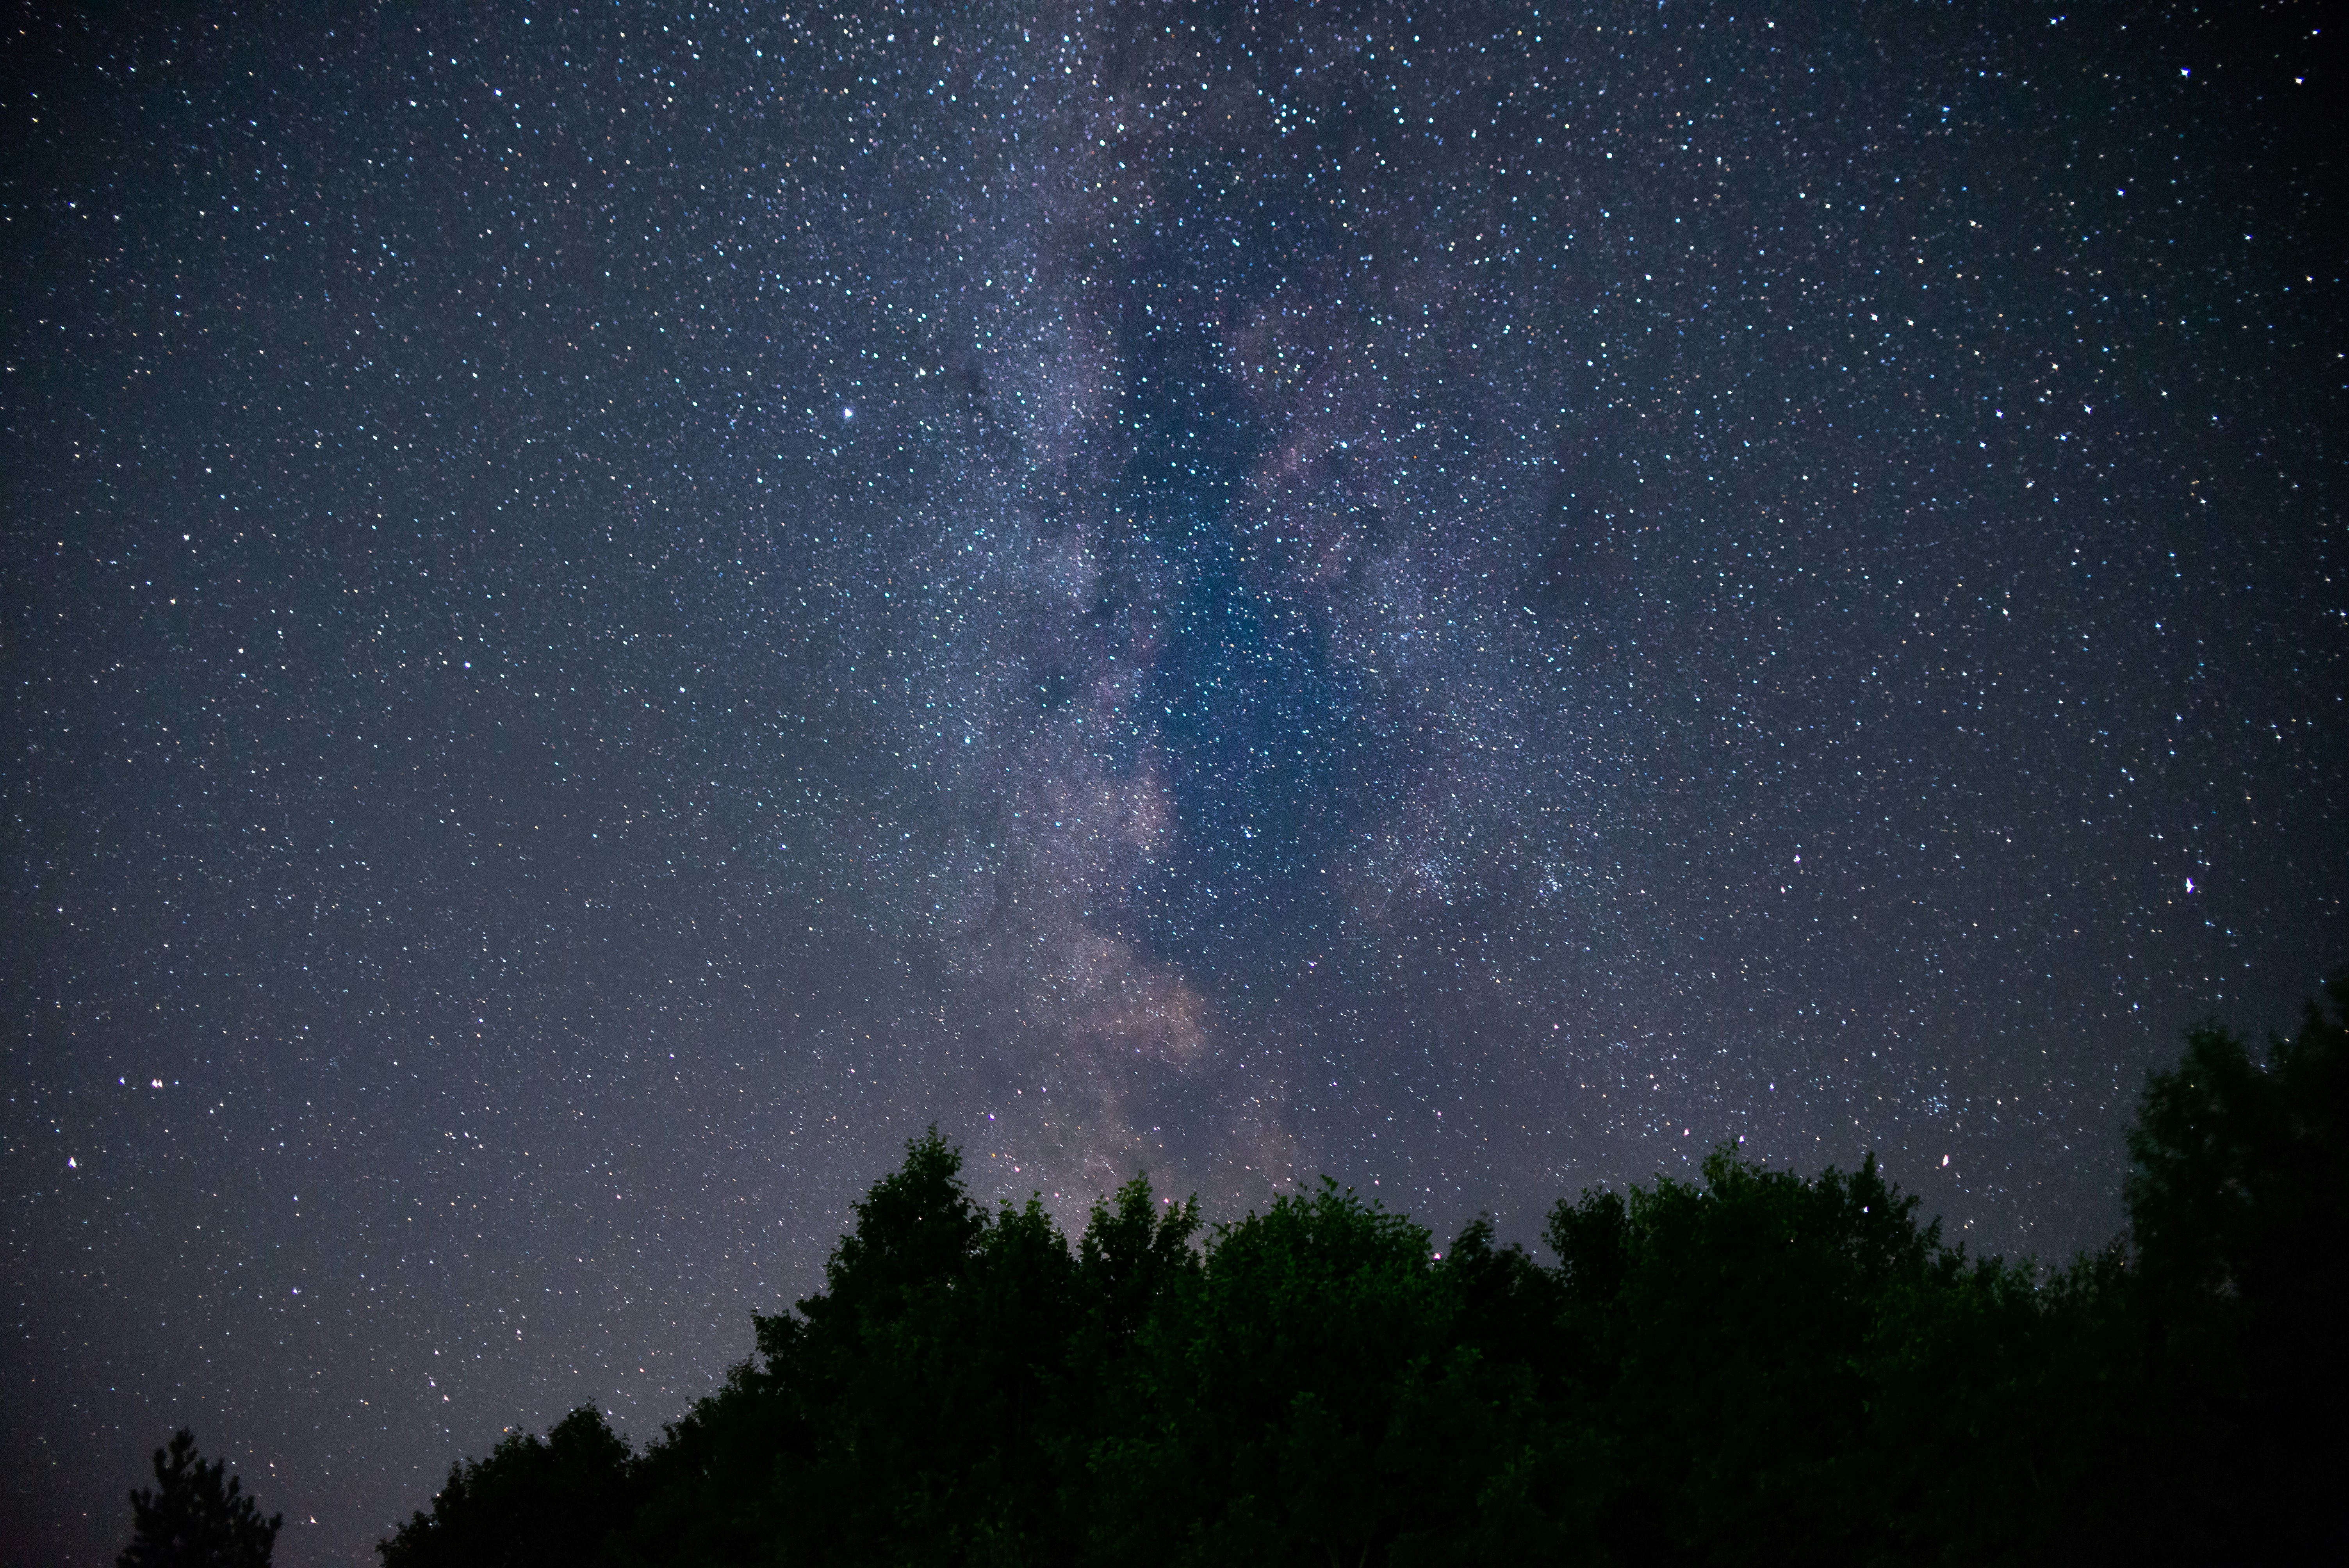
x=1752, y=1367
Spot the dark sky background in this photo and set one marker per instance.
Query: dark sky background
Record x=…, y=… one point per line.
x=610, y=610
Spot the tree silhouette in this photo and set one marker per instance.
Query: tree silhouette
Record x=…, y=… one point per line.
x=1752, y=1367
x=532, y=1501
x=2238, y=1196
x=191, y=1518
x=2239, y=1170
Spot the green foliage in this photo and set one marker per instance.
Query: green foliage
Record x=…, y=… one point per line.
x=1286, y=1388
x=1133, y=1252
x=2238, y=1210
x=534, y=1500
x=2239, y=1170
x=192, y=1518
x=1753, y=1367
x=1734, y=1328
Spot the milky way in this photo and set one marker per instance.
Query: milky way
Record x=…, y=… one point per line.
x=609, y=615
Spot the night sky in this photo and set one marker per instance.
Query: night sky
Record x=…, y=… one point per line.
x=609, y=610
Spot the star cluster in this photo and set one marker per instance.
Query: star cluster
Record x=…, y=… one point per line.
x=613, y=609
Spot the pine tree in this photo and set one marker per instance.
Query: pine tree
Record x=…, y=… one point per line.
x=191, y=1518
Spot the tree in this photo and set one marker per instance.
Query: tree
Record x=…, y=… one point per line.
x=2238, y=1199
x=1131, y=1256
x=917, y=1369
x=192, y=1517
x=1751, y=1369
x=2239, y=1187
x=1284, y=1397
x=532, y=1501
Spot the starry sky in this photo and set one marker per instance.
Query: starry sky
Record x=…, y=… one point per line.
x=612, y=609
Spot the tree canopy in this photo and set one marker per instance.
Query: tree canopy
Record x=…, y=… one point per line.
x=1753, y=1367
x=193, y=1518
